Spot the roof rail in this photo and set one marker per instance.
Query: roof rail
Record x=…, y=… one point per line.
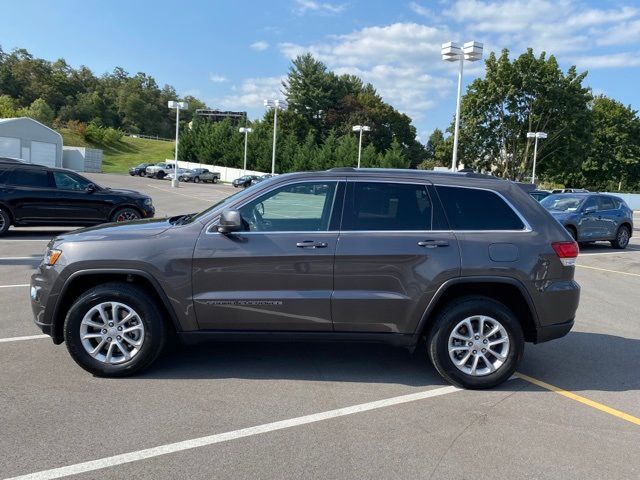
x=342, y=169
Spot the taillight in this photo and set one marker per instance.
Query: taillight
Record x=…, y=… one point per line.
x=567, y=252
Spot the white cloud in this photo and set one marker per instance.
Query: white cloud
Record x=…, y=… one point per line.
x=217, y=78
x=252, y=92
x=620, y=34
x=305, y=6
x=259, y=45
x=399, y=42
x=615, y=60
x=420, y=10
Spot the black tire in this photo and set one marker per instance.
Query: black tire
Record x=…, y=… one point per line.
x=215, y=180
x=160, y=175
x=125, y=214
x=130, y=295
x=622, y=238
x=572, y=231
x=196, y=180
x=452, y=315
x=142, y=173
x=5, y=221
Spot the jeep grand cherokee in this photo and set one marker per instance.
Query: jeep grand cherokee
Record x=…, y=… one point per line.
x=467, y=264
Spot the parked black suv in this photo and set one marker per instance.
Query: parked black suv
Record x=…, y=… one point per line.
x=35, y=195
x=469, y=265
x=140, y=170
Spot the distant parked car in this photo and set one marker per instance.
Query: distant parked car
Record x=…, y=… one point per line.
x=539, y=194
x=179, y=172
x=193, y=175
x=261, y=178
x=210, y=177
x=570, y=190
x=140, y=170
x=592, y=217
x=36, y=195
x=160, y=170
x=244, y=181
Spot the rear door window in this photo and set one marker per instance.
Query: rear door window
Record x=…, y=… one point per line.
x=475, y=209
x=606, y=203
x=22, y=177
x=379, y=206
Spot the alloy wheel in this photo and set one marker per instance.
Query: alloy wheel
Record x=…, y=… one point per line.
x=478, y=345
x=112, y=332
x=126, y=215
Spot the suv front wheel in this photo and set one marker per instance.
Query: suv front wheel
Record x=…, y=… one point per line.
x=114, y=330
x=476, y=342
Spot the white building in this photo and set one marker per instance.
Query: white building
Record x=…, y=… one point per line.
x=31, y=141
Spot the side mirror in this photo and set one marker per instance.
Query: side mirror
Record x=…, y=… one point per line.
x=91, y=188
x=589, y=210
x=230, y=221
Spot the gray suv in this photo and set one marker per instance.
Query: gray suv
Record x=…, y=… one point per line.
x=467, y=265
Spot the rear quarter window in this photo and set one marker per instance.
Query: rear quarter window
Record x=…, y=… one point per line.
x=29, y=178
x=474, y=209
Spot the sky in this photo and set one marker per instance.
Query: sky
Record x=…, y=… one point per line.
x=233, y=54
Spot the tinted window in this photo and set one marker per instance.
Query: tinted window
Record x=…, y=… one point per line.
x=471, y=209
x=4, y=174
x=606, y=203
x=590, y=203
x=68, y=181
x=299, y=207
x=387, y=206
x=29, y=178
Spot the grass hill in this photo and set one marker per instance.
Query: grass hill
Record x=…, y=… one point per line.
x=125, y=153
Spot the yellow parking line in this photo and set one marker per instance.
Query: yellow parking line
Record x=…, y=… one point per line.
x=610, y=271
x=578, y=398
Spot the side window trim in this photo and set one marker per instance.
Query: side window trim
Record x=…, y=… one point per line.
x=527, y=227
x=349, y=194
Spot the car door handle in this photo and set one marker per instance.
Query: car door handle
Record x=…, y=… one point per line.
x=433, y=243
x=311, y=244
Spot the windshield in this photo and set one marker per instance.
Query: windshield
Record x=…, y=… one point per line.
x=562, y=203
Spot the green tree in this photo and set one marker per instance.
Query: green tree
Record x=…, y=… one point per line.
x=394, y=157
x=613, y=159
x=8, y=107
x=40, y=111
x=527, y=94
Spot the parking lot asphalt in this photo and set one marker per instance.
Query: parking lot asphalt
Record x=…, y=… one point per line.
x=321, y=411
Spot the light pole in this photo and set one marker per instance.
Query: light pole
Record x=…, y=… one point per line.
x=175, y=183
x=360, y=128
x=246, y=132
x=276, y=105
x=451, y=52
x=535, y=135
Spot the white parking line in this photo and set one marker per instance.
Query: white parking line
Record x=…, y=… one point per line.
x=15, y=286
x=37, y=258
x=21, y=339
x=138, y=455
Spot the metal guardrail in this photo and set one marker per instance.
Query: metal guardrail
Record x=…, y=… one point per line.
x=150, y=137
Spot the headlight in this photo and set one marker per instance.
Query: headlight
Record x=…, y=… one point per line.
x=148, y=201
x=51, y=257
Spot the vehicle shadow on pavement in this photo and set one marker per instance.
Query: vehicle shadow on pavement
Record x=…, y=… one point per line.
x=343, y=362
x=579, y=362
x=584, y=361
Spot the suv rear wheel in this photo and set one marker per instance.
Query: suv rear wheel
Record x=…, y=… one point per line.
x=5, y=221
x=114, y=330
x=622, y=238
x=476, y=342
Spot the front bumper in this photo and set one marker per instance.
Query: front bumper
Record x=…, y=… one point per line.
x=42, y=298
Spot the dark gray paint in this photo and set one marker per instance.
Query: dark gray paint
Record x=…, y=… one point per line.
x=373, y=282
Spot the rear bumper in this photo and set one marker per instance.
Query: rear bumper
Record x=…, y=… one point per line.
x=551, y=332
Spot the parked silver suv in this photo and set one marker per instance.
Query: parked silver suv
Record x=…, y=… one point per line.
x=470, y=265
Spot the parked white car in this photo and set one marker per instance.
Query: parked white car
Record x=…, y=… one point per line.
x=178, y=172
